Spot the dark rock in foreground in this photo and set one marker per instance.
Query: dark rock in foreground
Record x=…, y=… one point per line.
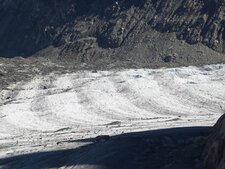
x=214, y=154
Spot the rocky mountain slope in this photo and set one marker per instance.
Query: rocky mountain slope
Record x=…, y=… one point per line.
x=144, y=32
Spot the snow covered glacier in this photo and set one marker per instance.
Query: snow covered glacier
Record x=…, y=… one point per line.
x=49, y=111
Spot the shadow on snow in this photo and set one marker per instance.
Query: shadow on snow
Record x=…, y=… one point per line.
x=166, y=148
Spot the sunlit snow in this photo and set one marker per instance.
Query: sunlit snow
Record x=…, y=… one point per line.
x=36, y=115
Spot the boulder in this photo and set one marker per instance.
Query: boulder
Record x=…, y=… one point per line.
x=214, y=153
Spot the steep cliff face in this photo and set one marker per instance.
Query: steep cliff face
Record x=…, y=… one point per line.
x=195, y=21
x=91, y=27
x=214, y=154
x=30, y=25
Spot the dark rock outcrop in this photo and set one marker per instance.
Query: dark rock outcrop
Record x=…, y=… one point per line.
x=91, y=29
x=214, y=154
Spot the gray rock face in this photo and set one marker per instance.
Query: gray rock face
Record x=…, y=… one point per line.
x=92, y=29
x=214, y=154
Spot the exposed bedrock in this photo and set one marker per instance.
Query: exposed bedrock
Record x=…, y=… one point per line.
x=89, y=30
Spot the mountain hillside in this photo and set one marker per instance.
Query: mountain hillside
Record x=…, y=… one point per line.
x=145, y=32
